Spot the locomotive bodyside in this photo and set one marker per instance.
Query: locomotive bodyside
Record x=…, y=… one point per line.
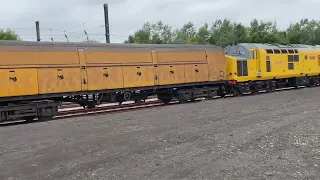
x=255, y=67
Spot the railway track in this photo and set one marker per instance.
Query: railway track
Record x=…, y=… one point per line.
x=70, y=110
x=79, y=111
x=130, y=106
x=75, y=105
x=108, y=109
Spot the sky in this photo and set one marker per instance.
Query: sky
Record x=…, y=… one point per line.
x=71, y=17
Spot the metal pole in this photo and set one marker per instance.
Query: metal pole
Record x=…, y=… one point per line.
x=106, y=22
x=38, y=30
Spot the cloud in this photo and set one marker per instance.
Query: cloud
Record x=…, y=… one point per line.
x=126, y=16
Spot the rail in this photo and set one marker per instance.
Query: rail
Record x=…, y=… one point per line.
x=108, y=109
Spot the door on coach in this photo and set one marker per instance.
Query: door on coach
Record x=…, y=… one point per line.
x=83, y=69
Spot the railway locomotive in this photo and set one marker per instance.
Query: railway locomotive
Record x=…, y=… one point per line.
x=255, y=67
x=38, y=76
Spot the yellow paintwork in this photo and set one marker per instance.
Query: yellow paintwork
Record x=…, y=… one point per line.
x=155, y=67
x=138, y=76
x=169, y=57
x=48, y=70
x=100, y=78
x=18, y=82
x=83, y=69
x=171, y=74
x=257, y=68
x=231, y=64
x=311, y=65
x=196, y=73
x=118, y=57
x=53, y=80
x=216, y=66
x=38, y=58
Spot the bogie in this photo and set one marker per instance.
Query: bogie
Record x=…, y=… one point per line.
x=29, y=111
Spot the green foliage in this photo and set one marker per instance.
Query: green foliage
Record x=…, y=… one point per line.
x=224, y=32
x=8, y=35
x=157, y=33
x=185, y=35
x=305, y=31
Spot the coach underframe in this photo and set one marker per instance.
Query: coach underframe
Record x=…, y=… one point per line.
x=45, y=106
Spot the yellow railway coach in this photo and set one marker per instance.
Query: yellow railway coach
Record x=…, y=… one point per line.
x=254, y=67
x=37, y=76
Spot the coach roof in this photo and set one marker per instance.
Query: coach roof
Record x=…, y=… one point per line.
x=106, y=45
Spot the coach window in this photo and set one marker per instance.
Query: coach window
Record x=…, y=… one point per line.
x=242, y=51
x=268, y=64
x=290, y=62
x=290, y=66
x=251, y=54
x=276, y=51
x=290, y=51
x=296, y=58
x=269, y=51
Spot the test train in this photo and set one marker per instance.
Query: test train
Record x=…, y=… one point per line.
x=37, y=77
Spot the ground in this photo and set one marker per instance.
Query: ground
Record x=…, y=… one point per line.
x=269, y=136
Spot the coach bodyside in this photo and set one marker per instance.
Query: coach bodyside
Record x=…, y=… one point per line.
x=152, y=65
x=117, y=67
x=31, y=69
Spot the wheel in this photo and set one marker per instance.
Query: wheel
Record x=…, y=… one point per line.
x=210, y=95
x=137, y=101
x=45, y=118
x=221, y=92
x=127, y=96
x=30, y=118
x=165, y=97
x=182, y=99
x=311, y=84
x=222, y=95
x=91, y=105
x=254, y=91
x=165, y=101
x=271, y=89
x=235, y=92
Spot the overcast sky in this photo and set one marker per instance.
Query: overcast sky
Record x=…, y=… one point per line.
x=126, y=16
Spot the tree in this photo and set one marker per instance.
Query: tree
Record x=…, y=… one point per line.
x=157, y=33
x=263, y=32
x=304, y=32
x=224, y=32
x=202, y=36
x=8, y=35
x=185, y=35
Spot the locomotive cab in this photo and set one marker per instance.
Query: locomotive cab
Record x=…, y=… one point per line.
x=241, y=62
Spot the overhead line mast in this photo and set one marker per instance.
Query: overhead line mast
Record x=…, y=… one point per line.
x=106, y=22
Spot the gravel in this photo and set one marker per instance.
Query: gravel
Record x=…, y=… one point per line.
x=268, y=136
